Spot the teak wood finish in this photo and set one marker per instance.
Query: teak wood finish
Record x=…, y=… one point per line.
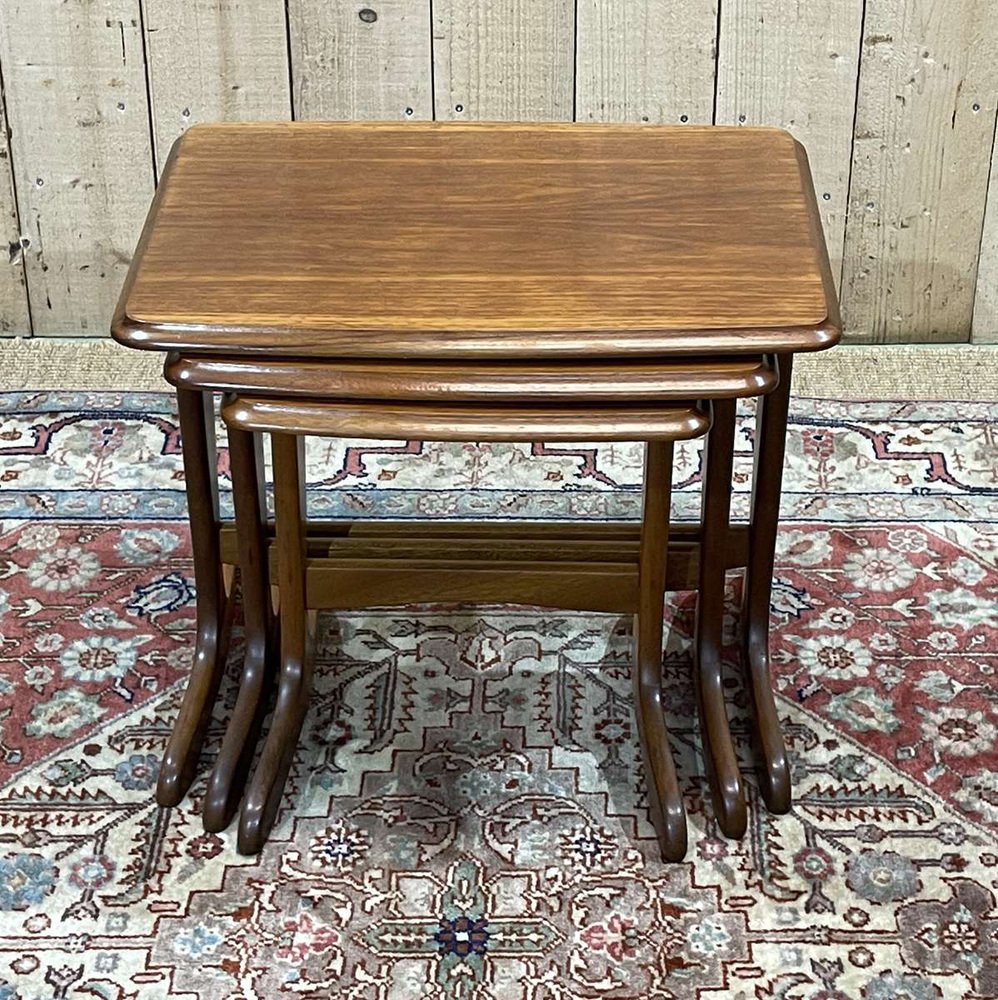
x=228, y=776
x=518, y=382
x=263, y=796
x=477, y=282
x=214, y=609
x=360, y=565
x=767, y=477
x=665, y=799
x=433, y=241
x=719, y=752
x=464, y=422
x=531, y=571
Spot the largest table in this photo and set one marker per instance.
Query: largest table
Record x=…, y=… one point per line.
x=297, y=257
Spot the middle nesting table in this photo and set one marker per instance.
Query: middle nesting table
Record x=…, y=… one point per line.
x=616, y=568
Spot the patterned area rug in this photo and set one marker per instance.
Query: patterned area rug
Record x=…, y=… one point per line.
x=465, y=816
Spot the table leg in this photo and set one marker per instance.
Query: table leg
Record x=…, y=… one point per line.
x=719, y=753
x=197, y=430
x=228, y=777
x=295, y=680
x=770, y=446
x=665, y=803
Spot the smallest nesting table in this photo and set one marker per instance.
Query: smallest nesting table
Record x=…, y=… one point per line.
x=478, y=282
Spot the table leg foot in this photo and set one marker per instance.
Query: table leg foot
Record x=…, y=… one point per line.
x=263, y=798
x=183, y=750
x=266, y=788
x=726, y=787
x=724, y=777
x=179, y=764
x=774, y=764
x=228, y=777
x=665, y=802
x=770, y=444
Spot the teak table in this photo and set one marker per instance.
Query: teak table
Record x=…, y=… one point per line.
x=477, y=282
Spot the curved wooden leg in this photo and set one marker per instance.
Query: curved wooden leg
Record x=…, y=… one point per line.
x=228, y=777
x=719, y=752
x=294, y=683
x=665, y=803
x=770, y=445
x=197, y=429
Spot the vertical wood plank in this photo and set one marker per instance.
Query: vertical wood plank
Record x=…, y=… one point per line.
x=795, y=66
x=924, y=125
x=645, y=61
x=222, y=60
x=14, y=319
x=79, y=119
x=504, y=60
x=361, y=60
x=985, y=325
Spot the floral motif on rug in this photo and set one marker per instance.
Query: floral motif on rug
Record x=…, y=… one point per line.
x=465, y=817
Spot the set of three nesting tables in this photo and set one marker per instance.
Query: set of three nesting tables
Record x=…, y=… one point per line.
x=481, y=282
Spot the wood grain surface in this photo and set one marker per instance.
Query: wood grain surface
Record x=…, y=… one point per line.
x=464, y=422
x=351, y=563
x=665, y=797
x=457, y=240
x=696, y=378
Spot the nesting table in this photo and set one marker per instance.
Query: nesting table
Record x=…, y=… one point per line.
x=477, y=283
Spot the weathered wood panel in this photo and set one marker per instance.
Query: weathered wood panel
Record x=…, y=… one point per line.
x=353, y=61
x=82, y=162
x=924, y=124
x=795, y=66
x=222, y=60
x=645, y=61
x=14, y=317
x=985, y=326
x=76, y=100
x=504, y=60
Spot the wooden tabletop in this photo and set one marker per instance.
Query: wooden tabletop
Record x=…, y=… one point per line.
x=501, y=241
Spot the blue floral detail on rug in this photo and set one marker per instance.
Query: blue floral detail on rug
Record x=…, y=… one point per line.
x=25, y=880
x=138, y=773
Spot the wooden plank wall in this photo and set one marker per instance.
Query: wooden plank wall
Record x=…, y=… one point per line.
x=646, y=61
x=221, y=61
x=14, y=313
x=80, y=148
x=925, y=123
x=985, y=328
x=895, y=100
x=357, y=61
x=795, y=65
x=504, y=60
